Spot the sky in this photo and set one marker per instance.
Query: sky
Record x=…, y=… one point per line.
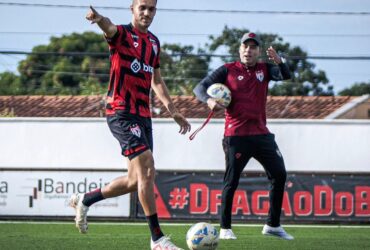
x=22, y=28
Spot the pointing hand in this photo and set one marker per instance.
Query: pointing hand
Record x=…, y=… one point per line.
x=93, y=16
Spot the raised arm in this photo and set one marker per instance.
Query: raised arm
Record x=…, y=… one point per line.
x=104, y=23
x=279, y=72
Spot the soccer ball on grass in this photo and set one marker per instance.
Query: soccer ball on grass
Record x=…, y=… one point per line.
x=202, y=236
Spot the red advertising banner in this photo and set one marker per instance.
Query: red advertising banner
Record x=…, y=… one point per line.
x=307, y=197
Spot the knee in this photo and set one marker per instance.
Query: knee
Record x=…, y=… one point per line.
x=231, y=185
x=145, y=170
x=132, y=184
x=145, y=184
x=147, y=177
x=283, y=175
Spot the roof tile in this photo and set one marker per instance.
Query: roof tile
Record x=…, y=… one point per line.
x=288, y=107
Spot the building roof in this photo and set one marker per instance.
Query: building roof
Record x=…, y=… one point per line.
x=52, y=106
x=278, y=107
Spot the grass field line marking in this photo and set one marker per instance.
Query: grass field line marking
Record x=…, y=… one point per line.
x=179, y=224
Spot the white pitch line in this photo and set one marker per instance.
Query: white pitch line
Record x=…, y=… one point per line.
x=178, y=224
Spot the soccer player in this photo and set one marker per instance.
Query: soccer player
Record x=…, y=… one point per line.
x=246, y=134
x=135, y=69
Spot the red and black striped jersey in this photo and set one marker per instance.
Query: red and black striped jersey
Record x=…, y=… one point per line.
x=134, y=56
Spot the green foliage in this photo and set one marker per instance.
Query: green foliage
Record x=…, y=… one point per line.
x=181, y=69
x=356, y=89
x=87, y=75
x=10, y=84
x=66, y=75
x=306, y=80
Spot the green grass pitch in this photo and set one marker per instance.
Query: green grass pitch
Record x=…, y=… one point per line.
x=136, y=236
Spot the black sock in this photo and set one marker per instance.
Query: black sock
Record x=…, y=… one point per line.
x=92, y=197
x=154, y=227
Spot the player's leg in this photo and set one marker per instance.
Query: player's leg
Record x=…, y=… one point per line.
x=236, y=157
x=121, y=185
x=269, y=155
x=143, y=164
x=120, y=128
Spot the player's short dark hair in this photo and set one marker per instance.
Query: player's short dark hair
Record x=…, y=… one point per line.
x=133, y=1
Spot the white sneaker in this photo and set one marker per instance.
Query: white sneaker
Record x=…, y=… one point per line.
x=164, y=243
x=276, y=231
x=81, y=212
x=227, y=234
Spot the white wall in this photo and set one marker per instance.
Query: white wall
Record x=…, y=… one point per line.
x=307, y=145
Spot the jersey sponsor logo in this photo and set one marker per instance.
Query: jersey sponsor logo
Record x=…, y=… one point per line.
x=135, y=130
x=240, y=78
x=260, y=75
x=136, y=66
x=148, y=68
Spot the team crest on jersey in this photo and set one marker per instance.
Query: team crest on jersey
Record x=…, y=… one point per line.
x=136, y=44
x=155, y=49
x=260, y=76
x=154, y=45
x=240, y=78
x=135, y=130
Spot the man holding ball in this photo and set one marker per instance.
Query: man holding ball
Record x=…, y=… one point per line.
x=246, y=134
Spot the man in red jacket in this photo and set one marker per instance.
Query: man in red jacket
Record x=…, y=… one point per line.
x=246, y=134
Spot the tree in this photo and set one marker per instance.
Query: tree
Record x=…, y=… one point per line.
x=10, y=84
x=357, y=89
x=46, y=73
x=66, y=75
x=52, y=74
x=182, y=69
x=306, y=81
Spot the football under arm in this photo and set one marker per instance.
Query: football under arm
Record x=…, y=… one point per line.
x=217, y=76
